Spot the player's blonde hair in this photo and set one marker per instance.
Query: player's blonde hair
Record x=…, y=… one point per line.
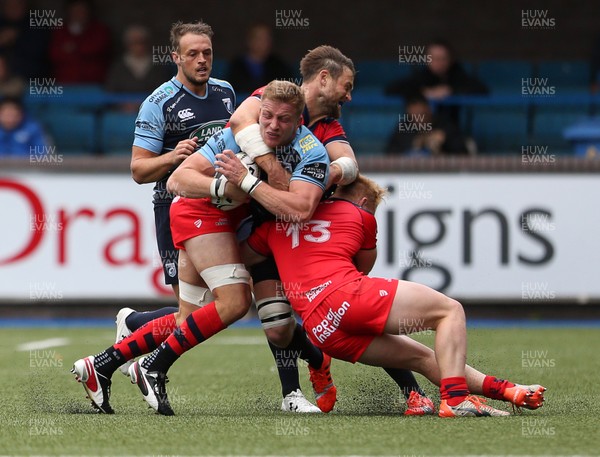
x=325, y=58
x=179, y=28
x=362, y=187
x=285, y=92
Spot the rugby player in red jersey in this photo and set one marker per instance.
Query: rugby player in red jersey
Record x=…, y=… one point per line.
x=327, y=82
x=354, y=317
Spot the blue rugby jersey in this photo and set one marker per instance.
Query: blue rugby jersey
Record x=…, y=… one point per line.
x=305, y=158
x=172, y=113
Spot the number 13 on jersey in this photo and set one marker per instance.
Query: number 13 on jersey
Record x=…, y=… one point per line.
x=317, y=232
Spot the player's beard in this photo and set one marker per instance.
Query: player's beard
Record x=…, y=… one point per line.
x=194, y=80
x=334, y=110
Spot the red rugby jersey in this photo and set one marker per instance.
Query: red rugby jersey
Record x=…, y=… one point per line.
x=315, y=258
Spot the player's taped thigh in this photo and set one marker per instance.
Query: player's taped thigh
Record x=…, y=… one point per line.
x=225, y=275
x=196, y=295
x=274, y=312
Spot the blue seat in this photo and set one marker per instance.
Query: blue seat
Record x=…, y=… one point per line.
x=500, y=128
x=505, y=76
x=567, y=76
x=369, y=128
x=550, y=122
x=117, y=132
x=375, y=74
x=73, y=131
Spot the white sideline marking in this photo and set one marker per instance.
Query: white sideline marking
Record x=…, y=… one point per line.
x=43, y=344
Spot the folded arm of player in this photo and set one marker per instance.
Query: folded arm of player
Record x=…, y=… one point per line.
x=147, y=166
x=299, y=203
x=194, y=177
x=244, y=125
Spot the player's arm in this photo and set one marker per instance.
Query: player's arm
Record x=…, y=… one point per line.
x=365, y=260
x=299, y=202
x=147, y=162
x=194, y=178
x=365, y=257
x=148, y=166
x=246, y=114
x=344, y=167
x=244, y=123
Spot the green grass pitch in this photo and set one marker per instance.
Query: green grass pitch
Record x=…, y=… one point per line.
x=226, y=398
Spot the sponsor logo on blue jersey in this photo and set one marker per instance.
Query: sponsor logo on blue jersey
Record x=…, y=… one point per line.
x=161, y=94
x=307, y=143
x=228, y=105
x=315, y=171
x=185, y=114
x=206, y=130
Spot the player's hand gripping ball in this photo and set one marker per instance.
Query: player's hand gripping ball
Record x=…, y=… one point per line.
x=227, y=204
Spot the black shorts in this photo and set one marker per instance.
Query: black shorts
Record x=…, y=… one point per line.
x=265, y=270
x=168, y=254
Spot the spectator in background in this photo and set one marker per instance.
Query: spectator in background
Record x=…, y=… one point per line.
x=10, y=84
x=24, y=45
x=258, y=65
x=20, y=135
x=442, y=77
x=80, y=50
x=421, y=133
x=134, y=71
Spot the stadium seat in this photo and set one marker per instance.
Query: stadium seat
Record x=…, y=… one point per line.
x=374, y=75
x=550, y=122
x=499, y=129
x=117, y=132
x=504, y=76
x=369, y=128
x=73, y=131
x=566, y=76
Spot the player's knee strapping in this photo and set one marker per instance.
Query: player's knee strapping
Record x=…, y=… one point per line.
x=224, y=275
x=196, y=295
x=274, y=312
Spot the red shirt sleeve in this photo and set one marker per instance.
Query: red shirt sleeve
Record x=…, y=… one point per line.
x=329, y=130
x=258, y=92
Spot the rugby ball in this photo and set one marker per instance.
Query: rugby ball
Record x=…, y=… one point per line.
x=227, y=204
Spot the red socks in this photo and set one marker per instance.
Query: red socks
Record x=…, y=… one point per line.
x=146, y=338
x=454, y=390
x=494, y=387
x=199, y=326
